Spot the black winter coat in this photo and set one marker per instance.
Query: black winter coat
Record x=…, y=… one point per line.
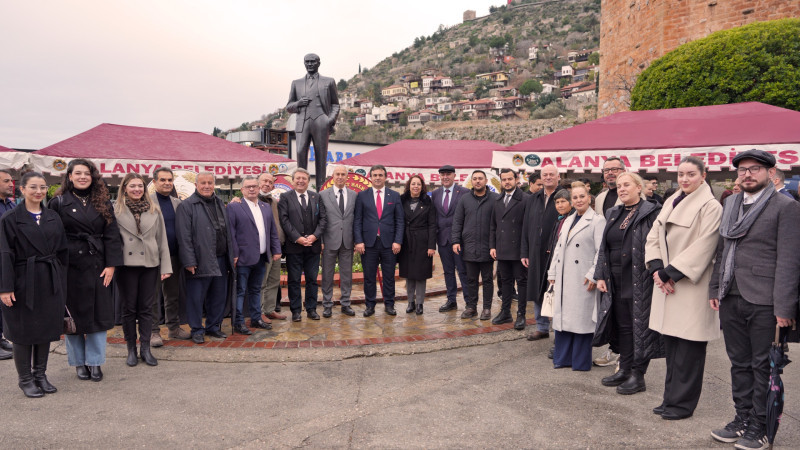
x=34, y=267
x=197, y=243
x=537, y=228
x=93, y=246
x=471, y=226
x=419, y=236
x=647, y=344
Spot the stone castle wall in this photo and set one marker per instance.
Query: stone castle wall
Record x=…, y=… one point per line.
x=633, y=33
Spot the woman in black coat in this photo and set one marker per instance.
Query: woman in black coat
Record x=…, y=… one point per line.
x=623, y=314
x=95, y=249
x=419, y=241
x=33, y=283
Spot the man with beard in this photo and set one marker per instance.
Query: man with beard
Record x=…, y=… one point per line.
x=754, y=287
x=612, y=167
x=537, y=227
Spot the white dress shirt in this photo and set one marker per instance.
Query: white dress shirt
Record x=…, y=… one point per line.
x=262, y=231
x=751, y=198
x=375, y=197
x=344, y=195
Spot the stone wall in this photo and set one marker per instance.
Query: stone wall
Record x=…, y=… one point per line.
x=633, y=33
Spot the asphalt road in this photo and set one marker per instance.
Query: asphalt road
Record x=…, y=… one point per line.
x=504, y=394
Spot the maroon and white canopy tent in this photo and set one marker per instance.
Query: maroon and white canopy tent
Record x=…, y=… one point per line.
x=656, y=140
x=11, y=159
x=120, y=149
x=411, y=156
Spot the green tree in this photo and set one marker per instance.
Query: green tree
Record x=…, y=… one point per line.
x=216, y=132
x=481, y=89
x=404, y=119
x=594, y=58
x=341, y=85
x=529, y=86
x=473, y=40
x=244, y=126
x=757, y=62
x=497, y=42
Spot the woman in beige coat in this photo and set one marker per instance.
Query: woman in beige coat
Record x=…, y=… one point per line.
x=680, y=251
x=145, y=255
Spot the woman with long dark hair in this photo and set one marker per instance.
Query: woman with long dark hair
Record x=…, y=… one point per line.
x=145, y=255
x=33, y=283
x=95, y=249
x=419, y=242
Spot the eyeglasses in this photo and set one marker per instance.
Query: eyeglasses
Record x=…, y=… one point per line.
x=250, y=188
x=754, y=170
x=613, y=170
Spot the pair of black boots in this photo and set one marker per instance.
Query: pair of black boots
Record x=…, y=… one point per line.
x=31, y=363
x=144, y=350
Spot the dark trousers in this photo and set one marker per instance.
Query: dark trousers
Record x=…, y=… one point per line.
x=484, y=271
x=508, y=272
x=749, y=331
x=171, y=291
x=207, y=293
x=378, y=254
x=622, y=309
x=298, y=264
x=573, y=350
x=686, y=361
x=317, y=130
x=137, y=293
x=452, y=263
x=248, y=288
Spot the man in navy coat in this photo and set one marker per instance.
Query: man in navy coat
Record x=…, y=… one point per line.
x=378, y=233
x=255, y=241
x=445, y=200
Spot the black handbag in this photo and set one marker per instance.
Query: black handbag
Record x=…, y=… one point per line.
x=69, y=323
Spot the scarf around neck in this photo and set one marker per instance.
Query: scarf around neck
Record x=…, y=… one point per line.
x=138, y=207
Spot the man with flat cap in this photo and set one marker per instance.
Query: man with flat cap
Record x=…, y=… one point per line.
x=754, y=287
x=445, y=200
x=315, y=101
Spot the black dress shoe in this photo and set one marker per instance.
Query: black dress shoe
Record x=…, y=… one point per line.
x=659, y=410
x=83, y=373
x=449, y=306
x=348, y=311
x=419, y=310
x=369, y=311
x=5, y=354
x=634, y=383
x=327, y=312
x=96, y=373
x=241, y=329
x=390, y=311
x=278, y=307
x=469, y=312
x=502, y=317
x=261, y=324
x=198, y=338
x=217, y=334
x=536, y=335
x=551, y=351
x=519, y=324
x=5, y=345
x=312, y=314
x=411, y=307
x=616, y=379
x=296, y=316
x=669, y=415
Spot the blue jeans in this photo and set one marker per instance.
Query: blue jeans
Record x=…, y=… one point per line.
x=369, y=260
x=297, y=265
x=249, y=285
x=452, y=263
x=207, y=293
x=86, y=349
x=542, y=323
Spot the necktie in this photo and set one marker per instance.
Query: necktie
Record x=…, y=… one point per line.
x=303, y=201
x=341, y=201
x=379, y=205
x=508, y=197
x=446, y=204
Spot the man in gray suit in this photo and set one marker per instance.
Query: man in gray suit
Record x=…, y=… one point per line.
x=315, y=101
x=337, y=241
x=754, y=287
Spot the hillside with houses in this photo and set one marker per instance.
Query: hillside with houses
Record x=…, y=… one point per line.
x=531, y=64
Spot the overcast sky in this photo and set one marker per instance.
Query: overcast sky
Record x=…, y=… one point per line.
x=70, y=65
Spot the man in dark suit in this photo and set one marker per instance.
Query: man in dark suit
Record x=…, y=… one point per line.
x=445, y=200
x=778, y=180
x=6, y=204
x=255, y=241
x=337, y=241
x=505, y=230
x=315, y=101
x=378, y=233
x=754, y=287
x=303, y=220
x=537, y=228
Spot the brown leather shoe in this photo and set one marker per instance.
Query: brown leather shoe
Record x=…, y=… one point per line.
x=486, y=314
x=155, y=340
x=276, y=316
x=469, y=313
x=536, y=335
x=177, y=333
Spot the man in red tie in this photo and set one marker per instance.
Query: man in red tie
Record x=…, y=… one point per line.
x=378, y=233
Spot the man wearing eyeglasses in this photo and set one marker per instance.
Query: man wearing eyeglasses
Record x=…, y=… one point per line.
x=255, y=241
x=612, y=167
x=754, y=287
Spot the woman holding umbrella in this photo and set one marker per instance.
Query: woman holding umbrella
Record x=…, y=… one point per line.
x=680, y=255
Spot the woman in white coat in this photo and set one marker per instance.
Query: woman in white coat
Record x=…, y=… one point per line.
x=572, y=273
x=679, y=252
